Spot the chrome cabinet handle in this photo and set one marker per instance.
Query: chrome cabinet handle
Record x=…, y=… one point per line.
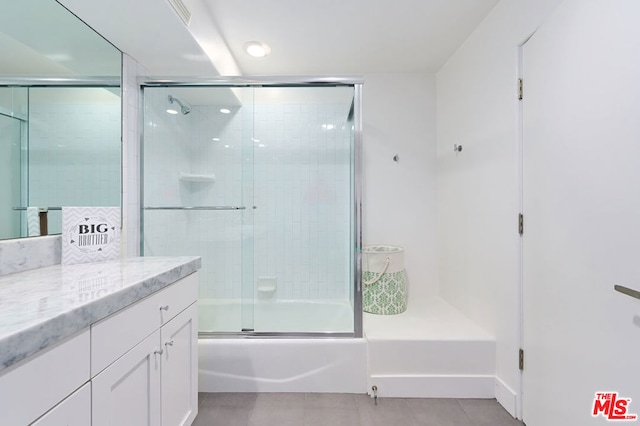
x=168, y=343
x=164, y=308
x=628, y=291
x=158, y=351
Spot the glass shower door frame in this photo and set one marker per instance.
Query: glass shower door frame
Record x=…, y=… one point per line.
x=356, y=191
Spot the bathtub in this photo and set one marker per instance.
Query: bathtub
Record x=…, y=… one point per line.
x=288, y=364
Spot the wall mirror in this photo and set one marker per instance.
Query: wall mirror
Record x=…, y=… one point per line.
x=60, y=117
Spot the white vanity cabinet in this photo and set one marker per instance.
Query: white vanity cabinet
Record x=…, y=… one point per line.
x=153, y=382
x=137, y=366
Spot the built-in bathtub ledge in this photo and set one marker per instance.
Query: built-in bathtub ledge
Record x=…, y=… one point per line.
x=429, y=351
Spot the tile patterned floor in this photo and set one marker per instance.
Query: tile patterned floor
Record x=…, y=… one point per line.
x=312, y=409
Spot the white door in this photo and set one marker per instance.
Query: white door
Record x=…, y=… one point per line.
x=127, y=393
x=180, y=368
x=581, y=118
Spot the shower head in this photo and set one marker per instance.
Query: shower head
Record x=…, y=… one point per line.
x=184, y=109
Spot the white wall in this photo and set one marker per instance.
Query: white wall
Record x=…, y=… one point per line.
x=399, y=198
x=478, y=188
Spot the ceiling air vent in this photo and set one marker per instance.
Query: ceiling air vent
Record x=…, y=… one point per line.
x=182, y=11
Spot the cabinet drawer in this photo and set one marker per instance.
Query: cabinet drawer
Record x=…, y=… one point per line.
x=73, y=411
x=41, y=381
x=113, y=336
x=176, y=298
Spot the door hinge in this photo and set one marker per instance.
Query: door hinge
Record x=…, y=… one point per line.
x=520, y=89
x=520, y=224
x=521, y=359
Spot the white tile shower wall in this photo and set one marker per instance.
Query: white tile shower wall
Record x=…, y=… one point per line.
x=176, y=144
x=74, y=156
x=303, y=198
x=301, y=223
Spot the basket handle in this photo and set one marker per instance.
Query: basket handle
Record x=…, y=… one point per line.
x=384, y=270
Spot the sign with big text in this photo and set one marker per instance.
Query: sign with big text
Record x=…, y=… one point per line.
x=90, y=234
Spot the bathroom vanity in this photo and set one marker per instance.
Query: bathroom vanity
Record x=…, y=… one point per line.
x=107, y=343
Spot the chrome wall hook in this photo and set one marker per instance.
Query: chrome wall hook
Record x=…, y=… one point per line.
x=396, y=158
x=457, y=148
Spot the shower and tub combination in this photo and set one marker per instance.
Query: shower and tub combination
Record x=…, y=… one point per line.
x=262, y=179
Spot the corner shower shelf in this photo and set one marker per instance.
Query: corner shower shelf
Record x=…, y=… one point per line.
x=200, y=178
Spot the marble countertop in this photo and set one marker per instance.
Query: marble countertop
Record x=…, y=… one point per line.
x=41, y=307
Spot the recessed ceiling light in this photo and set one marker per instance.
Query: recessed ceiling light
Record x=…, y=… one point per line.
x=215, y=139
x=257, y=49
x=225, y=110
x=172, y=111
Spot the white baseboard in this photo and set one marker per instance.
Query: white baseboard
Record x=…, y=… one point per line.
x=433, y=386
x=506, y=397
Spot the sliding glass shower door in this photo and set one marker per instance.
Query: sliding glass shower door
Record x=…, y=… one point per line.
x=197, y=193
x=259, y=182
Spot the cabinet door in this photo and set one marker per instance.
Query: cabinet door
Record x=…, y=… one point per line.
x=180, y=368
x=127, y=393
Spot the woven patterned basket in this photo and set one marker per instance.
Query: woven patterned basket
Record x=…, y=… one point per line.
x=384, y=280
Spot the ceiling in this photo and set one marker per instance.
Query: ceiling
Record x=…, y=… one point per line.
x=347, y=36
x=328, y=37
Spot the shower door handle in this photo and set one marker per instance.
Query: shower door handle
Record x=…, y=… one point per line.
x=197, y=208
